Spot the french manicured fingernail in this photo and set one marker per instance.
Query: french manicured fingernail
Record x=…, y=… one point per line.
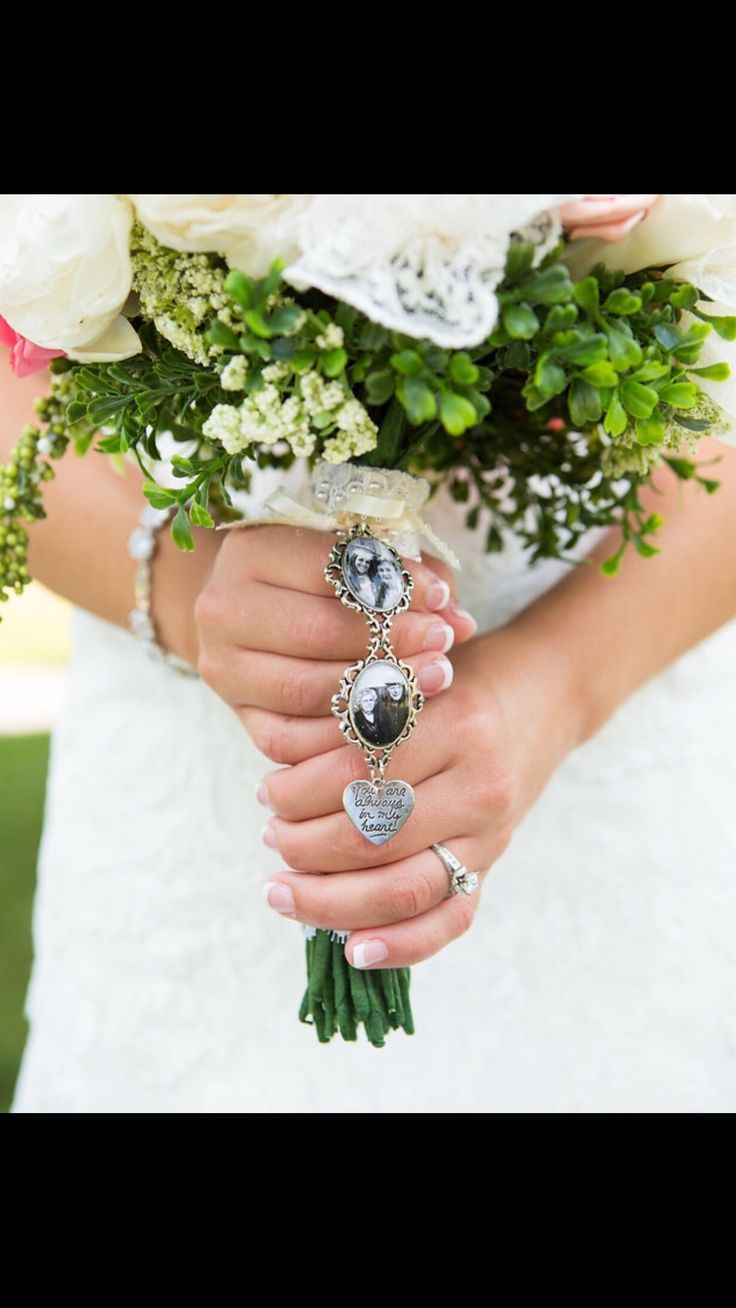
x=373, y=951
x=278, y=896
x=262, y=795
x=439, y=637
x=457, y=612
x=438, y=594
x=268, y=836
x=436, y=675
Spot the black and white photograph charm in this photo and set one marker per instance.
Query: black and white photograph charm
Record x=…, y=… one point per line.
x=370, y=576
x=373, y=574
x=379, y=703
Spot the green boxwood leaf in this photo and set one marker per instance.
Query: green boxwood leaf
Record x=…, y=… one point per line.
x=241, y=287
x=585, y=403
x=684, y=296
x=408, y=363
x=372, y=336
x=181, y=532
x=550, y=286
x=520, y=321
x=640, y=401
x=519, y=259
x=724, y=325
x=304, y=359
x=616, y=421
x=649, y=431
x=585, y=350
x=587, y=294
x=379, y=386
x=462, y=369
x=333, y=362
x=714, y=372
x=456, y=413
x=257, y=322
x=285, y=320
x=622, y=302
x=419, y=401
x=681, y=395
x=651, y=371
x=601, y=374
x=561, y=318
x=624, y=351
x=549, y=378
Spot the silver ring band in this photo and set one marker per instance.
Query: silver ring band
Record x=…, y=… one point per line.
x=460, y=878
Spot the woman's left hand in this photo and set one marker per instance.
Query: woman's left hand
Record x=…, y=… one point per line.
x=477, y=759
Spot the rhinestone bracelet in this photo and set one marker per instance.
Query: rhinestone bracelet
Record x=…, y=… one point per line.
x=142, y=547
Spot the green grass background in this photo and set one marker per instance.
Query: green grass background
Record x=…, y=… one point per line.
x=34, y=630
x=23, y=761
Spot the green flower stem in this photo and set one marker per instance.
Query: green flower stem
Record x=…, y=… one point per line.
x=339, y=997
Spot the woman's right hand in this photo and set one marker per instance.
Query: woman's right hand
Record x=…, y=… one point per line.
x=274, y=640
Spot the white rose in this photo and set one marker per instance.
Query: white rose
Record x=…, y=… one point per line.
x=249, y=230
x=65, y=273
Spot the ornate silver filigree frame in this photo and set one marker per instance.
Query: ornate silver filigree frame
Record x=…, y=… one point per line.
x=376, y=756
x=379, y=620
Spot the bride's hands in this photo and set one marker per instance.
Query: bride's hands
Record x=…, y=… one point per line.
x=477, y=760
x=274, y=640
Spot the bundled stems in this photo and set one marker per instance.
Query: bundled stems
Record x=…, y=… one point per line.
x=339, y=997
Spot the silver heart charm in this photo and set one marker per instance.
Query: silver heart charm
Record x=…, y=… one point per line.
x=378, y=809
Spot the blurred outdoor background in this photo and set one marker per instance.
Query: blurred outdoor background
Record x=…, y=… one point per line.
x=34, y=642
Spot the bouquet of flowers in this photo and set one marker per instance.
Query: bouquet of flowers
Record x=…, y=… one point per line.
x=460, y=340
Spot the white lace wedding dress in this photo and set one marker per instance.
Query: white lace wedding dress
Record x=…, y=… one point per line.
x=599, y=976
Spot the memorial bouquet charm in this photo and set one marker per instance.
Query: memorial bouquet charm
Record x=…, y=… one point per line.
x=377, y=706
x=398, y=344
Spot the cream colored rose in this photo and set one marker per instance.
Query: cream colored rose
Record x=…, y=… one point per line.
x=65, y=273
x=249, y=230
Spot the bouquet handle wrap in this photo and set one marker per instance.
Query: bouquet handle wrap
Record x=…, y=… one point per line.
x=387, y=500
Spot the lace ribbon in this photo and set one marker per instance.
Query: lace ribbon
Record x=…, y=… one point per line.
x=387, y=500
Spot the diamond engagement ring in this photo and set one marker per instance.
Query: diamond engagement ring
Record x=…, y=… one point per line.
x=460, y=878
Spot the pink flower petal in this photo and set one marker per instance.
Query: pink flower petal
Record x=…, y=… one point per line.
x=25, y=357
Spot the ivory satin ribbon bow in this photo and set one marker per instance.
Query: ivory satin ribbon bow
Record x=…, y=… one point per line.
x=386, y=515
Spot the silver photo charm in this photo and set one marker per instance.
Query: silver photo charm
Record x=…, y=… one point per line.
x=379, y=698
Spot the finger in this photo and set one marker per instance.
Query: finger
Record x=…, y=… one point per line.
x=594, y=209
x=249, y=678
x=615, y=231
x=294, y=558
x=333, y=844
x=407, y=943
x=315, y=627
x=349, y=901
x=463, y=623
x=314, y=787
x=288, y=739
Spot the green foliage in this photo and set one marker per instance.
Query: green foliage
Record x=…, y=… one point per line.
x=555, y=420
